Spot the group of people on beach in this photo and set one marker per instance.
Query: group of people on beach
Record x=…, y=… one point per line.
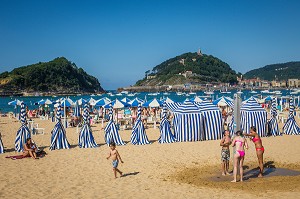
x=240, y=143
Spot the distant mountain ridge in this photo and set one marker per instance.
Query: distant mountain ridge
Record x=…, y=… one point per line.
x=58, y=76
x=189, y=68
x=283, y=71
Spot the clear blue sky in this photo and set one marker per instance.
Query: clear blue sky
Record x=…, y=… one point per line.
x=117, y=41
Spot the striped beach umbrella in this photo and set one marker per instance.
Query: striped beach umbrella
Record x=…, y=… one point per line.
x=1, y=146
x=138, y=135
x=223, y=101
x=166, y=135
x=23, y=133
x=188, y=125
x=252, y=114
x=86, y=138
x=212, y=120
x=291, y=127
x=111, y=131
x=273, y=124
x=58, y=137
x=135, y=102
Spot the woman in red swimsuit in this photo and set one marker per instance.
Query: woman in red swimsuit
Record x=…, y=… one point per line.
x=240, y=143
x=259, y=149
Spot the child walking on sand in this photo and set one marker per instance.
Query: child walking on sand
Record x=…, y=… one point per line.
x=225, y=153
x=115, y=156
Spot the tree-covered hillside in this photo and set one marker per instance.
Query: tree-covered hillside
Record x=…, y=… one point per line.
x=283, y=71
x=58, y=75
x=205, y=68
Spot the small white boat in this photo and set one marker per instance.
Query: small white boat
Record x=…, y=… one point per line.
x=265, y=91
x=130, y=95
x=209, y=92
x=179, y=93
x=192, y=93
x=166, y=93
x=253, y=92
x=119, y=94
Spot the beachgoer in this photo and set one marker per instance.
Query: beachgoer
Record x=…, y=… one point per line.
x=259, y=149
x=115, y=156
x=29, y=149
x=225, y=152
x=240, y=143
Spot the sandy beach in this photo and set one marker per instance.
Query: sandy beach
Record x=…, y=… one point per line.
x=178, y=170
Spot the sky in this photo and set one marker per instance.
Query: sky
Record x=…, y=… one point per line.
x=117, y=41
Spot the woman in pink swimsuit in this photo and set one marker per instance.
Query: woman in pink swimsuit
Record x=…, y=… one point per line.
x=239, y=143
x=259, y=149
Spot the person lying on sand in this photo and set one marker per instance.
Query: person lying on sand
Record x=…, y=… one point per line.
x=29, y=149
x=115, y=156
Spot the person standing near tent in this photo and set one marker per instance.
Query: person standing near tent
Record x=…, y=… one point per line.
x=225, y=153
x=115, y=156
x=240, y=143
x=259, y=149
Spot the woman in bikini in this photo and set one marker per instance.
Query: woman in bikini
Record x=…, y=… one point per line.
x=259, y=149
x=29, y=149
x=240, y=143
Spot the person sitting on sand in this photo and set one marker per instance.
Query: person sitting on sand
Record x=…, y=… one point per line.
x=259, y=149
x=240, y=143
x=225, y=153
x=29, y=149
x=115, y=156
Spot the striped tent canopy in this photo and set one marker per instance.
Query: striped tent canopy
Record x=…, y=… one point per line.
x=58, y=137
x=81, y=101
x=188, y=123
x=126, y=100
x=138, y=135
x=273, y=128
x=135, y=102
x=212, y=120
x=86, y=138
x=153, y=103
x=171, y=105
x=291, y=127
x=111, y=131
x=166, y=135
x=23, y=132
x=116, y=104
x=252, y=114
x=223, y=101
x=102, y=101
x=1, y=146
x=196, y=99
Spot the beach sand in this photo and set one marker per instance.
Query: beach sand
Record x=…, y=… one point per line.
x=178, y=170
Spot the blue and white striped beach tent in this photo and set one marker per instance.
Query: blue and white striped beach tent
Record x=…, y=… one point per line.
x=171, y=105
x=81, y=101
x=1, y=146
x=291, y=127
x=138, y=135
x=23, y=133
x=188, y=125
x=135, y=102
x=273, y=124
x=58, y=137
x=86, y=138
x=223, y=101
x=111, y=131
x=166, y=135
x=126, y=100
x=76, y=110
x=196, y=99
x=102, y=102
x=252, y=114
x=212, y=120
x=231, y=126
x=154, y=103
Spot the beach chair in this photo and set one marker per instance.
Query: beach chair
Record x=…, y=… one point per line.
x=36, y=130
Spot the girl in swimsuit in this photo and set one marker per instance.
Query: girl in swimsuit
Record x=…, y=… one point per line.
x=259, y=149
x=240, y=143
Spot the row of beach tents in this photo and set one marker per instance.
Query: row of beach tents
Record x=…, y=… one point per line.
x=193, y=121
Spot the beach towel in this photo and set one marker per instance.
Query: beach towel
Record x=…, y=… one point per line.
x=39, y=154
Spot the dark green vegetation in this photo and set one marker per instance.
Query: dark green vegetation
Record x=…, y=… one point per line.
x=205, y=68
x=284, y=71
x=58, y=75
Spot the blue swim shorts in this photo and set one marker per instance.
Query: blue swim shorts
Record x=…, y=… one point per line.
x=115, y=163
